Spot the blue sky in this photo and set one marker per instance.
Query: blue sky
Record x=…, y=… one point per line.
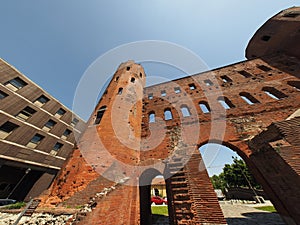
x=54, y=42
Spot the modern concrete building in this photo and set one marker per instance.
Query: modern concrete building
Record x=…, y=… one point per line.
x=37, y=134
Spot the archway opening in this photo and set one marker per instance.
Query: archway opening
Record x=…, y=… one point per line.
x=153, y=198
x=230, y=175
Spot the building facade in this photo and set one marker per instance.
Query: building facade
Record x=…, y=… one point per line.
x=37, y=134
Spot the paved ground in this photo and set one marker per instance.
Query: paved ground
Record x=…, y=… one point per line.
x=246, y=214
x=237, y=213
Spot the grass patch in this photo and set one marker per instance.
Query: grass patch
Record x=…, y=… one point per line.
x=267, y=208
x=160, y=210
x=17, y=205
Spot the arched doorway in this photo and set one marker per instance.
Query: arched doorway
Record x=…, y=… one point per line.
x=153, y=202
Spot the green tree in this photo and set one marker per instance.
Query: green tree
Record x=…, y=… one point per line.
x=234, y=175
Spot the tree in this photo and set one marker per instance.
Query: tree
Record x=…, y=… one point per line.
x=235, y=175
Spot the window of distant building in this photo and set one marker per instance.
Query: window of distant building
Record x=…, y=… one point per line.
x=56, y=148
x=74, y=122
x=3, y=95
x=41, y=101
x=49, y=125
x=6, y=129
x=37, y=138
x=15, y=84
x=163, y=93
x=26, y=113
x=60, y=113
x=66, y=134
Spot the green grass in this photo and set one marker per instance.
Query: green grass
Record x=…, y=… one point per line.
x=267, y=208
x=17, y=205
x=160, y=210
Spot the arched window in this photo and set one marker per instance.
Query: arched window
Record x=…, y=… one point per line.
x=100, y=114
x=120, y=91
x=141, y=75
x=248, y=98
x=151, y=117
x=185, y=111
x=274, y=93
x=226, y=79
x=204, y=107
x=132, y=80
x=294, y=84
x=225, y=102
x=168, y=114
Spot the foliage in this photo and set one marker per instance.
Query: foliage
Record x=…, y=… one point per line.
x=160, y=210
x=236, y=174
x=267, y=208
x=17, y=205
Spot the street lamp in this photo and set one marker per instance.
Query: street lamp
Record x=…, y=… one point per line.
x=26, y=172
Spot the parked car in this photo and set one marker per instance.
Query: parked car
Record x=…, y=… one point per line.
x=157, y=200
x=7, y=201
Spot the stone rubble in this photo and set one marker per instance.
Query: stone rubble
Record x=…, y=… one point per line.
x=35, y=219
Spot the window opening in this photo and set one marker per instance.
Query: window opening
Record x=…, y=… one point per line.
x=185, y=111
x=168, y=114
x=225, y=102
x=35, y=141
x=120, y=91
x=41, y=100
x=49, y=125
x=248, y=98
x=204, y=107
x=208, y=82
x=151, y=117
x=264, y=68
x=60, y=113
x=15, y=84
x=66, y=134
x=245, y=73
x=226, y=79
x=274, y=93
x=100, y=114
x=192, y=86
x=163, y=93
x=3, y=95
x=7, y=128
x=177, y=90
x=26, y=113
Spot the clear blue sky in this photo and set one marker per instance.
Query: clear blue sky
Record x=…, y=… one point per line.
x=53, y=42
